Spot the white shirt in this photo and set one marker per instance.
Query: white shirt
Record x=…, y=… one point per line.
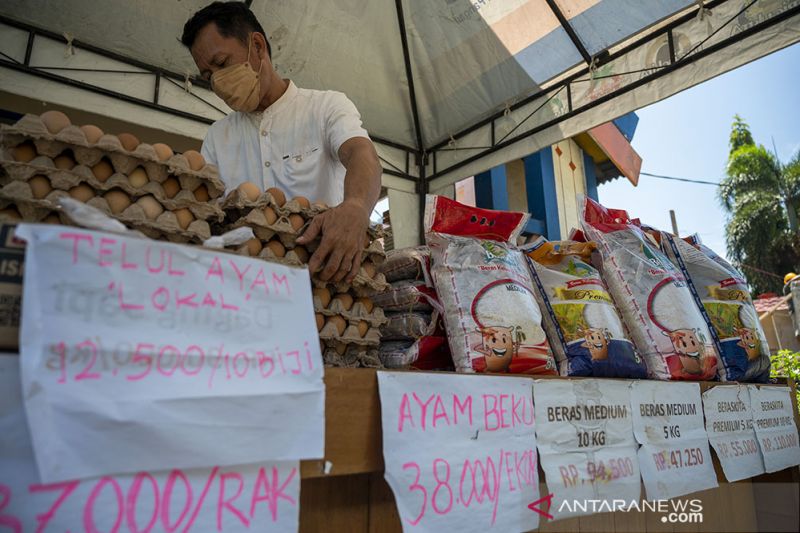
x=292, y=145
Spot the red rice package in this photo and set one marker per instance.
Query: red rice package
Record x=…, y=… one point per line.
x=656, y=305
x=585, y=331
x=492, y=319
x=721, y=293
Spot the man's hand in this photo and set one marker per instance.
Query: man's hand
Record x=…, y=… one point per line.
x=344, y=232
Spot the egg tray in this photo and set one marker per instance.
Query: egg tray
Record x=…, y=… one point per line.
x=28, y=211
x=282, y=228
x=350, y=335
x=362, y=285
x=357, y=312
x=31, y=127
x=66, y=179
x=236, y=203
x=351, y=357
x=290, y=259
x=164, y=227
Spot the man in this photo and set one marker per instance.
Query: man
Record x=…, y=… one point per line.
x=304, y=142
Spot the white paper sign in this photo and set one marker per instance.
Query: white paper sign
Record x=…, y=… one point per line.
x=729, y=424
x=257, y=498
x=773, y=413
x=460, y=451
x=169, y=356
x=668, y=422
x=584, y=430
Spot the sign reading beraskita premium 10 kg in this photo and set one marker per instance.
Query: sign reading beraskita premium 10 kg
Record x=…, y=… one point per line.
x=169, y=356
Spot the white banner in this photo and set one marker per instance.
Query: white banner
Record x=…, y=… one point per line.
x=460, y=451
x=260, y=497
x=729, y=424
x=775, y=427
x=584, y=430
x=165, y=355
x=668, y=422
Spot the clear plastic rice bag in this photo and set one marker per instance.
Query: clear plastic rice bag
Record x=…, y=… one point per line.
x=492, y=319
x=722, y=294
x=652, y=295
x=580, y=318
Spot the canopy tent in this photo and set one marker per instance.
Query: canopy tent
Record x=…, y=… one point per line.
x=447, y=88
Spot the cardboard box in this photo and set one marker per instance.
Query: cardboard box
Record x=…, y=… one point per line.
x=12, y=261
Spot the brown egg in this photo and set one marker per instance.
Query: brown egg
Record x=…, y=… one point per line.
x=254, y=246
x=138, y=178
x=55, y=121
x=296, y=221
x=301, y=253
x=171, y=187
x=52, y=218
x=64, y=162
x=40, y=186
x=195, y=159
x=102, y=170
x=82, y=193
x=320, y=320
x=117, y=200
x=270, y=215
x=277, y=248
x=345, y=299
x=363, y=328
x=184, y=216
x=92, y=133
x=323, y=294
x=163, y=151
x=340, y=348
x=24, y=152
x=151, y=207
x=201, y=194
x=128, y=141
x=367, y=303
x=369, y=269
x=10, y=214
x=339, y=323
x=277, y=195
x=250, y=190
x=302, y=201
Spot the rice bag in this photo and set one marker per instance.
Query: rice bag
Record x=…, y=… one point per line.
x=581, y=321
x=722, y=294
x=492, y=319
x=656, y=305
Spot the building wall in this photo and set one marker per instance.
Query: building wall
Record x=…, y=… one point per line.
x=568, y=165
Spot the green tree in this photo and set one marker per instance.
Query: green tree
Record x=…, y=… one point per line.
x=762, y=197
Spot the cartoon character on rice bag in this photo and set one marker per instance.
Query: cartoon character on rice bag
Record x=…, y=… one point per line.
x=749, y=341
x=500, y=345
x=689, y=348
x=596, y=342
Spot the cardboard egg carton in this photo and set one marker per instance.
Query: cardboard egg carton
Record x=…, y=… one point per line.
x=236, y=201
x=255, y=219
x=351, y=357
x=363, y=285
x=165, y=226
x=358, y=311
x=66, y=179
x=31, y=127
x=291, y=258
x=29, y=212
x=330, y=334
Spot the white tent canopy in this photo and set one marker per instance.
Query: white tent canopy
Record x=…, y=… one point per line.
x=447, y=88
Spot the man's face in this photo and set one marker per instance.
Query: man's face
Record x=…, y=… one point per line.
x=212, y=52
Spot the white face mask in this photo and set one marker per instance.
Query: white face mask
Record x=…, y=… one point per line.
x=239, y=85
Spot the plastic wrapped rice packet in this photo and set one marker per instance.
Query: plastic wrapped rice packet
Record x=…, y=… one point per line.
x=492, y=319
x=654, y=300
x=722, y=294
x=580, y=318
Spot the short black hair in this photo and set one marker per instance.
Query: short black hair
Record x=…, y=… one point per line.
x=233, y=19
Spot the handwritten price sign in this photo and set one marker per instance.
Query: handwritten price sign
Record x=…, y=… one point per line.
x=584, y=432
x=668, y=423
x=169, y=356
x=729, y=423
x=775, y=428
x=460, y=451
x=262, y=497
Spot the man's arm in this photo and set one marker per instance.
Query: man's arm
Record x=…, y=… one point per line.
x=344, y=227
